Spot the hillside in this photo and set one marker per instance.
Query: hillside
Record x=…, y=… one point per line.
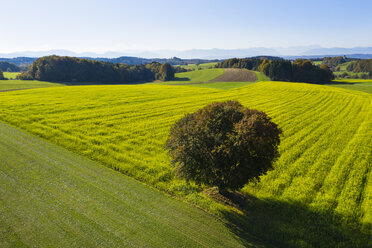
x=318, y=195
x=218, y=78
x=51, y=197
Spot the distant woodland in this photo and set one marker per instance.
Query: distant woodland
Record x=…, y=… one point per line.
x=70, y=69
x=283, y=70
x=9, y=67
x=133, y=69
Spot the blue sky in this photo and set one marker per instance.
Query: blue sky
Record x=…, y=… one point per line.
x=108, y=25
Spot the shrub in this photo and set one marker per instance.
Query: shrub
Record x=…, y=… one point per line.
x=223, y=144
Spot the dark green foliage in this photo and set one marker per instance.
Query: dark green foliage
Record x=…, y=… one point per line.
x=1, y=75
x=163, y=72
x=166, y=72
x=344, y=75
x=9, y=67
x=178, y=69
x=19, y=61
x=305, y=71
x=246, y=63
x=363, y=65
x=333, y=62
x=278, y=70
x=283, y=70
x=224, y=144
x=55, y=68
x=299, y=71
x=137, y=61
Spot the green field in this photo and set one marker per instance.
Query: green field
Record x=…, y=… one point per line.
x=201, y=78
x=195, y=76
x=11, y=75
x=6, y=85
x=364, y=85
x=199, y=67
x=192, y=78
x=51, y=197
x=318, y=195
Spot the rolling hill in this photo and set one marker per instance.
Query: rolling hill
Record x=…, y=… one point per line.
x=50, y=197
x=318, y=195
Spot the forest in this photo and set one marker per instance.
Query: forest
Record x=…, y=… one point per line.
x=283, y=70
x=71, y=69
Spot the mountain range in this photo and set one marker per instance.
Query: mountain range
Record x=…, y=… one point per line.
x=214, y=53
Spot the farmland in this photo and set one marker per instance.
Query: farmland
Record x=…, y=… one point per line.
x=199, y=67
x=319, y=193
x=51, y=197
x=23, y=84
x=214, y=78
x=354, y=84
x=11, y=75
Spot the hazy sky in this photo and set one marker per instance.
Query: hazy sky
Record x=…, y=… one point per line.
x=108, y=25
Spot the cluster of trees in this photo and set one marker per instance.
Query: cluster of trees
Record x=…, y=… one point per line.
x=298, y=71
x=333, y=62
x=283, y=70
x=56, y=68
x=305, y=71
x=356, y=76
x=9, y=67
x=137, y=61
x=178, y=69
x=363, y=65
x=19, y=61
x=246, y=63
x=1, y=75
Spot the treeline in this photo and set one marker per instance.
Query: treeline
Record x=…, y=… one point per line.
x=298, y=71
x=246, y=63
x=355, y=76
x=363, y=65
x=283, y=70
x=333, y=62
x=67, y=69
x=26, y=61
x=9, y=67
x=137, y=61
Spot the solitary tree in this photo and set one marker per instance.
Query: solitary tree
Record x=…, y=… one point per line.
x=223, y=144
x=1, y=75
x=166, y=72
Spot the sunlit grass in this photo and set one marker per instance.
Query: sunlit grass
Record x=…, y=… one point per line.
x=325, y=152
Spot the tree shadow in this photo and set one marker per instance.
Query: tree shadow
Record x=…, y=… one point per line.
x=292, y=224
x=181, y=79
x=94, y=83
x=336, y=83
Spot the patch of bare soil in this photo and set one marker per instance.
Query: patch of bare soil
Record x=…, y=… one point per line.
x=236, y=75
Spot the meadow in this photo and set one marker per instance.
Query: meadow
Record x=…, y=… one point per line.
x=200, y=66
x=11, y=75
x=204, y=79
x=6, y=85
x=51, y=197
x=318, y=195
x=364, y=85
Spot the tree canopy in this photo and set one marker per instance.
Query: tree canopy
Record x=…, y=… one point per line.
x=9, y=67
x=363, y=65
x=223, y=144
x=278, y=69
x=56, y=68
